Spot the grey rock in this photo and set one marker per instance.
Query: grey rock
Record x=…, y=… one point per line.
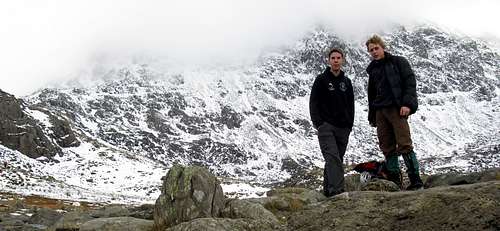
x=20, y=132
x=380, y=185
x=117, y=224
x=142, y=212
x=45, y=217
x=71, y=221
x=289, y=199
x=440, y=208
x=245, y=209
x=111, y=211
x=224, y=224
x=462, y=178
x=188, y=193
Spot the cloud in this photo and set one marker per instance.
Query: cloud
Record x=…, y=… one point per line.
x=47, y=41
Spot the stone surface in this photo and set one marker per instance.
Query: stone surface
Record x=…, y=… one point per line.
x=117, y=224
x=380, y=185
x=188, y=193
x=224, y=224
x=462, y=178
x=111, y=211
x=236, y=208
x=461, y=207
x=441, y=208
x=21, y=132
x=71, y=221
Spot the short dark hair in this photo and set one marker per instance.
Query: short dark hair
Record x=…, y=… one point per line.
x=375, y=39
x=337, y=50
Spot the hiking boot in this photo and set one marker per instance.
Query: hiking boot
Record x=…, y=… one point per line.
x=395, y=177
x=412, y=169
x=415, y=182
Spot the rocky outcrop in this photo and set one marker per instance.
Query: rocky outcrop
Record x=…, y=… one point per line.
x=457, y=207
x=187, y=193
x=21, y=132
x=440, y=208
x=462, y=178
x=192, y=199
x=449, y=207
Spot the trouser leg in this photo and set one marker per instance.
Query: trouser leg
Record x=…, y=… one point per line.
x=333, y=143
x=385, y=133
x=400, y=128
x=388, y=143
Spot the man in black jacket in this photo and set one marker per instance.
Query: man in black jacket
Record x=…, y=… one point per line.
x=332, y=113
x=392, y=97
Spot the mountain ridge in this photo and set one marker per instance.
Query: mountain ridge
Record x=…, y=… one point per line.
x=252, y=124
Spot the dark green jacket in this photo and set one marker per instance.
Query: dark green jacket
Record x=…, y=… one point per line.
x=402, y=80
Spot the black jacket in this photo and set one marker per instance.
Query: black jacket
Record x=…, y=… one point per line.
x=400, y=76
x=332, y=100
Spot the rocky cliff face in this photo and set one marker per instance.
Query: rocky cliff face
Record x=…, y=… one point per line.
x=20, y=130
x=252, y=123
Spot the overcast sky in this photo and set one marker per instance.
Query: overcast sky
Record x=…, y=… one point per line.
x=46, y=41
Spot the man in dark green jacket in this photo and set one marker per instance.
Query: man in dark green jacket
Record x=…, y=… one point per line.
x=332, y=112
x=392, y=97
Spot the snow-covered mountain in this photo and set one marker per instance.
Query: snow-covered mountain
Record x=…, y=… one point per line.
x=250, y=125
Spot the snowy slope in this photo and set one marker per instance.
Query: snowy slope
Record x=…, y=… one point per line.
x=245, y=123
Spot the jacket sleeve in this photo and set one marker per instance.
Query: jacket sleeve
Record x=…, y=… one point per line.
x=408, y=85
x=314, y=103
x=371, y=97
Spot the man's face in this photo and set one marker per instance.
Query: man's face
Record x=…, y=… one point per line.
x=376, y=51
x=336, y=61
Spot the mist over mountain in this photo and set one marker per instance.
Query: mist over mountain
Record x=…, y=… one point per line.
x=248, y=124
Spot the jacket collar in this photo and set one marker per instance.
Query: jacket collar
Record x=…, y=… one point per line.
x=373, y=63
x=328, y=73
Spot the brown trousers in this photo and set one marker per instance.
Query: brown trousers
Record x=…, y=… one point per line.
x=393, y=132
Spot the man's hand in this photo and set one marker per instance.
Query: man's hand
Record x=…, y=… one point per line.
x=404, y=111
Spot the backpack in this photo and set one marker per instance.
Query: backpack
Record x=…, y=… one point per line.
x=371, y=170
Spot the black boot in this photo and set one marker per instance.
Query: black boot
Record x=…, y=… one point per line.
x=395, y=177
x=413, y=171
x=415, y=182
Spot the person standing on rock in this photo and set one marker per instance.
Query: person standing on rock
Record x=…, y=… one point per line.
x=392, y=97
x=331, y=106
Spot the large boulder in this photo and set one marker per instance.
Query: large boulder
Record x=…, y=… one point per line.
x=187, y=193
